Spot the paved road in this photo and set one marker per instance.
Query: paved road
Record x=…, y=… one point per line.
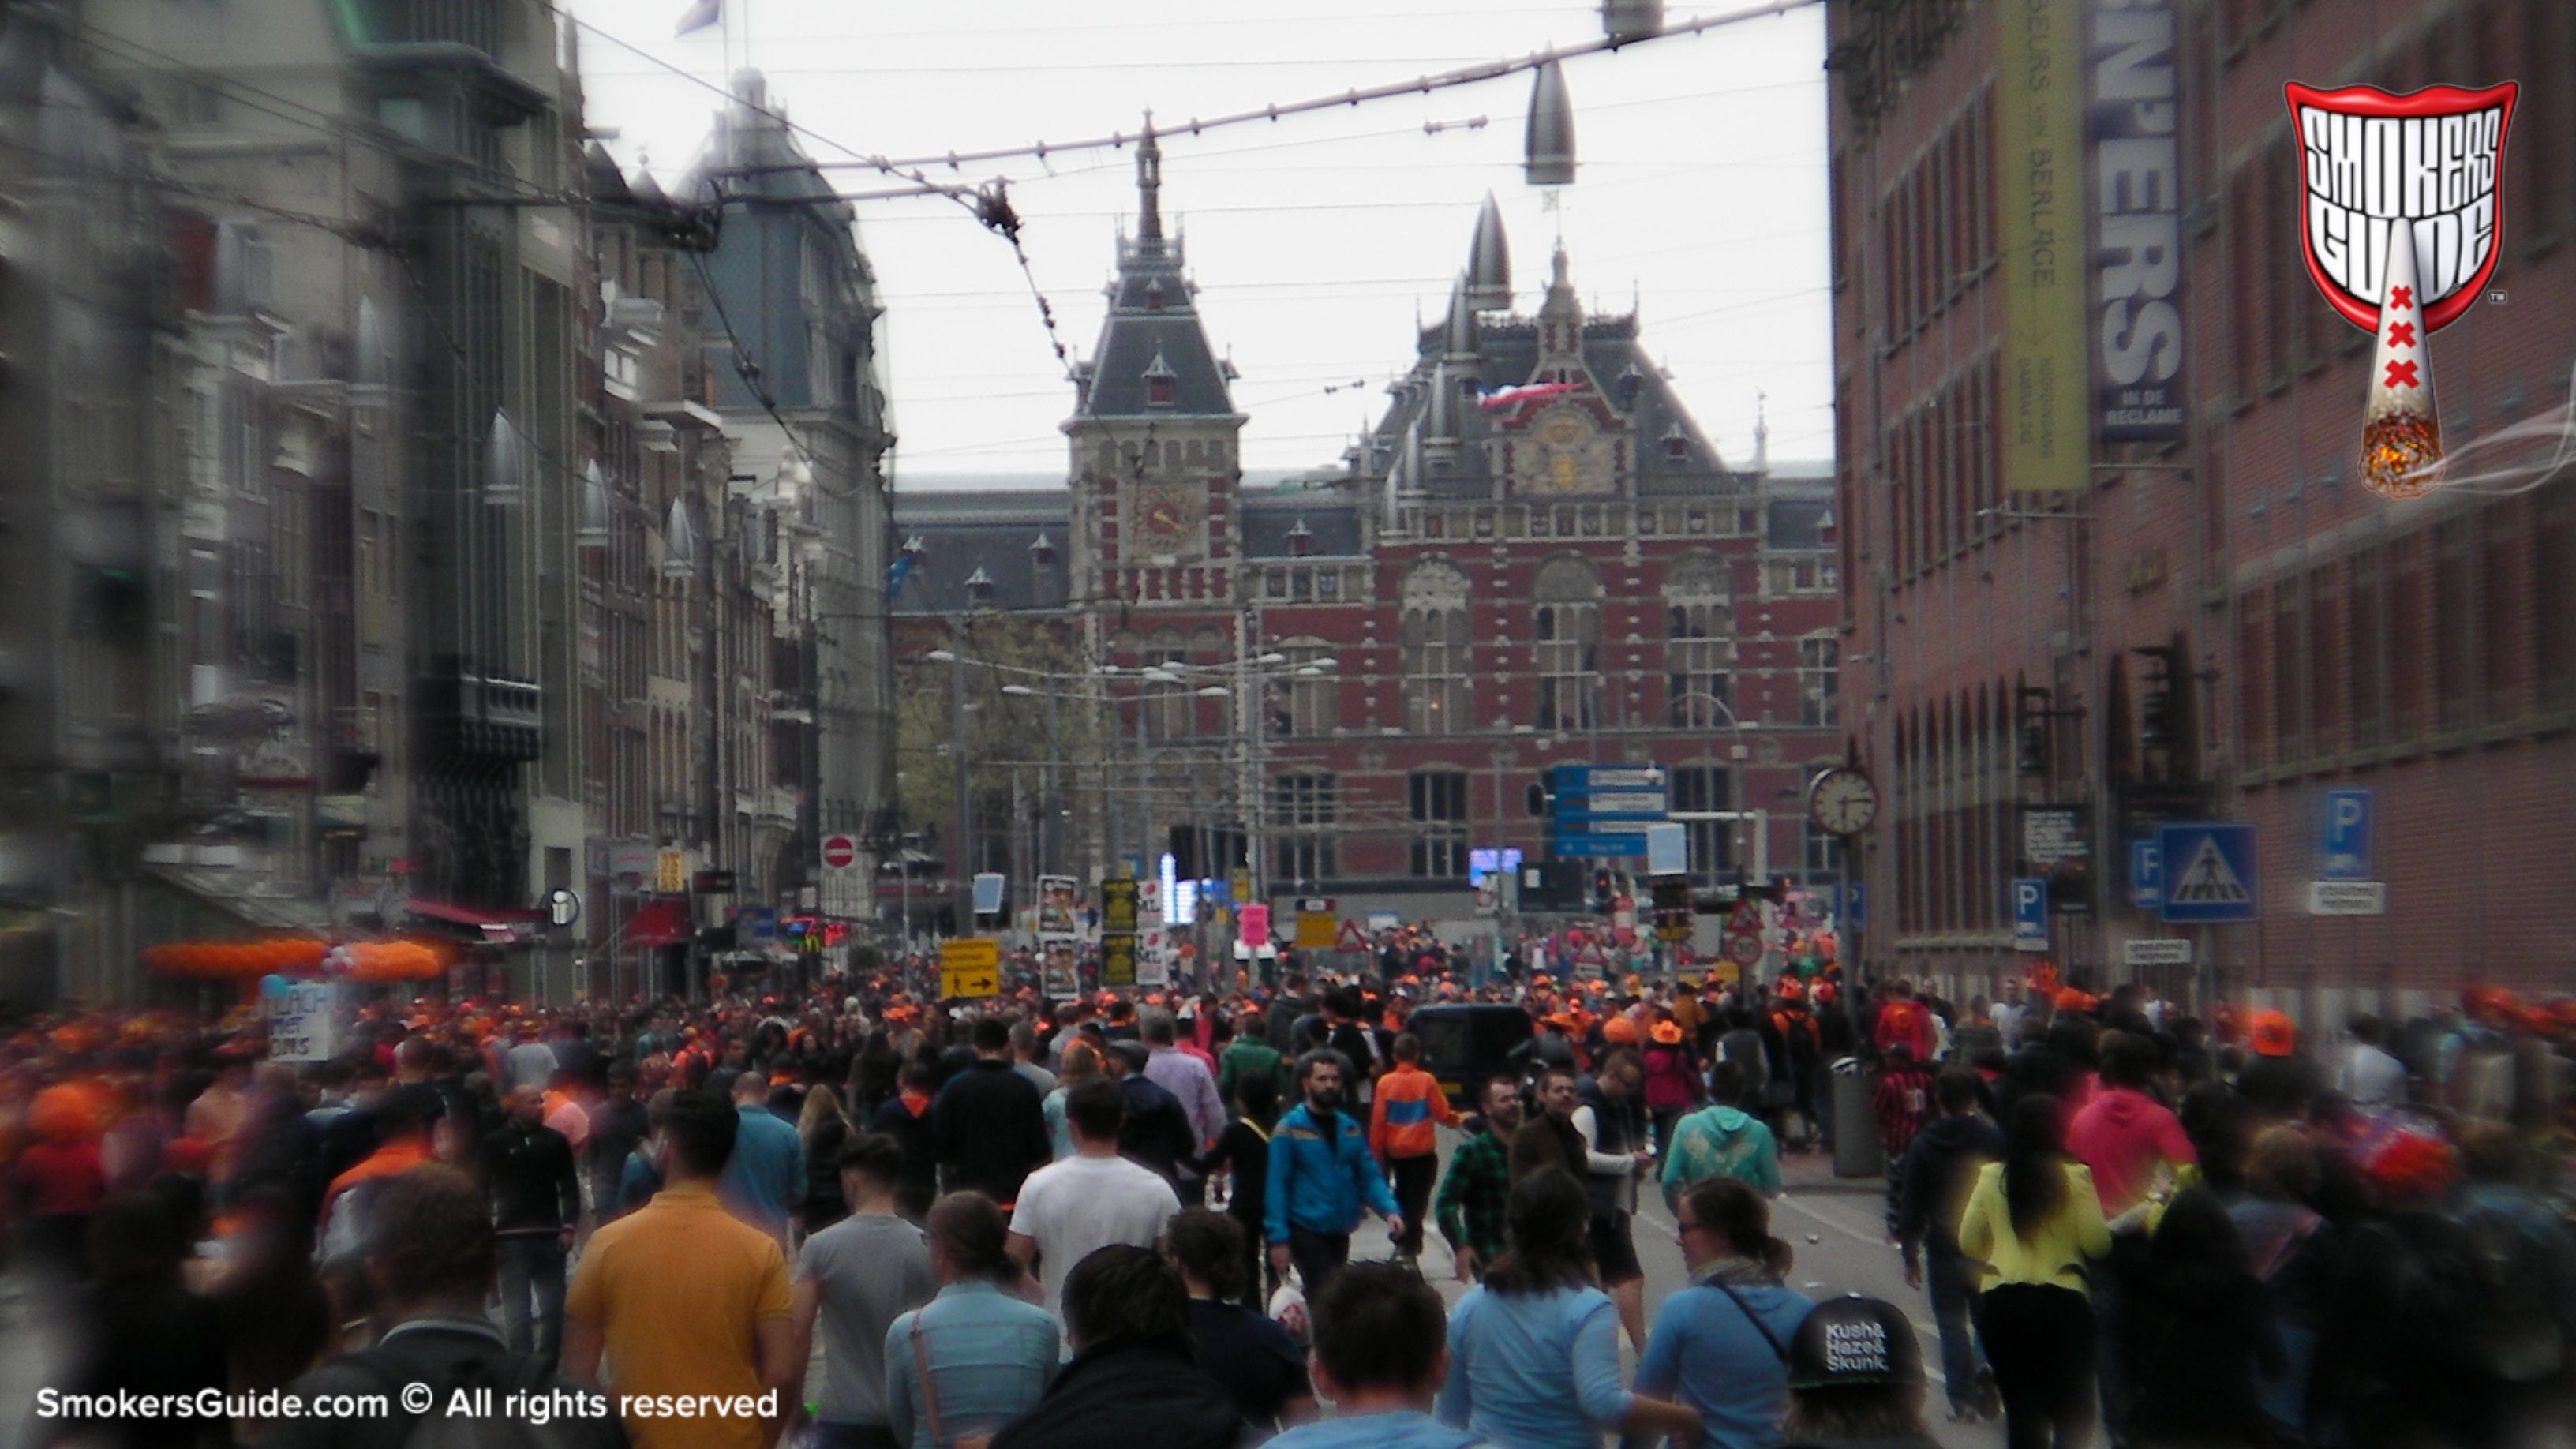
x=1837, y=1227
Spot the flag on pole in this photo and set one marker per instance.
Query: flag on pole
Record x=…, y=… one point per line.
x=700, y=15
x=1501, y=398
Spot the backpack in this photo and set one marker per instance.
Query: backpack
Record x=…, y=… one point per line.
x=498, y=1377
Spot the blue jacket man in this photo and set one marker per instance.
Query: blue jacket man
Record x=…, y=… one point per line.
x=1321, y=1178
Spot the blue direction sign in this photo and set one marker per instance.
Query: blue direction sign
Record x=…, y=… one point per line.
x=1600, y=843
x=2347, y=837
x=1612, y=805
x=2209, y=872
x=2146, y=874
x=1859, y=906
x=2030, y=914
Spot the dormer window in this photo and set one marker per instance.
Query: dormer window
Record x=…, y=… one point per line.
x=1042, y=551
x=1301, y=540
x=1677, y=446
x=1159, y=382
x=1153, y=296
x=979, y=586
x=1631, y=383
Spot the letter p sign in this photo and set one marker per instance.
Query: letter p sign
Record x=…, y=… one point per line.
x=2347, y=836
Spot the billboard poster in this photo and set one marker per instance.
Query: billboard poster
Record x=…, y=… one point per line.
x=1057, y=899
x=2137, y=260
x=2040, y=90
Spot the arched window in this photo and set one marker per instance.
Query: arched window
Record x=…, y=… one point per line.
x=1566, y=626
x=1304, y=705
x=1436, y=692
x=1699, y=643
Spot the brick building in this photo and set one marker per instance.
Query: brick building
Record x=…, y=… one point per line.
x=1485, y=587
x=2313, y=635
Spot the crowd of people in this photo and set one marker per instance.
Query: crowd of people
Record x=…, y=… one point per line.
x=852, y=1217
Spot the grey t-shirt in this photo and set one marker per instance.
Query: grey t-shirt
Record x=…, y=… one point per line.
x=869, y=1269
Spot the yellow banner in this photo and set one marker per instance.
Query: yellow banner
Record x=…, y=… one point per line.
x=2047, y=354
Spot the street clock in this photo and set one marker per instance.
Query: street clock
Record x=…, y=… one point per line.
x=1843, y=800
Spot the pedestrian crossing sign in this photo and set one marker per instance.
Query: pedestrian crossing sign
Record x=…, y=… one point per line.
x=2209, y=872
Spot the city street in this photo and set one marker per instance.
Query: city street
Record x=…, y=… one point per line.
x=1833, y=1223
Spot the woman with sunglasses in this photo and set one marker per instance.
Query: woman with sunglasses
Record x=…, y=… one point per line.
x=1721, y=1345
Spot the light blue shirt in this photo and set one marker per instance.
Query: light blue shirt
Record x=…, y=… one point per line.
x=1536, y=1370
x=990, y=1357
x=1707, y=1353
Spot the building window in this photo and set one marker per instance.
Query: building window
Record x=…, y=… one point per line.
x=1700, y=788
x=1301, y=823
x=1818, y=659
x=1822, y=852
x=1300, y=705
x=1436, y=692
x=1699, y=644
x=1158, y=392
x=1439, y=807
x=1170, y=708
x=1566, y=628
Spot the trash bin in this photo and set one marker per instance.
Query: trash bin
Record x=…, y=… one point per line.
x=1856, y=1149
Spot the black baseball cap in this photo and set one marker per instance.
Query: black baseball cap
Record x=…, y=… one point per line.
x=1852, y=1342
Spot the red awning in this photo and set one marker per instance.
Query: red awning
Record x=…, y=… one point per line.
x=469, y=915
x=657, y=924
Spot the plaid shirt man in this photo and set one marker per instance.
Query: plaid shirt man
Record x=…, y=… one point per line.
x=1475, y=1193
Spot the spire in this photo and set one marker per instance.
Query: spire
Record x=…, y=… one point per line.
x=1761, y=434
x=1149, y=185
x=1489, y=261
x=1458, y=339
x=1560, y=316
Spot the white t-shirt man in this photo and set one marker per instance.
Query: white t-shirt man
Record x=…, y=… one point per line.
x=1074, y=1207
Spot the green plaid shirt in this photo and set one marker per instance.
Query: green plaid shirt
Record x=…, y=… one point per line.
x=1475, y=1193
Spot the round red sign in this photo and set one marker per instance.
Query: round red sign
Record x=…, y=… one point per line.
x=839, y=851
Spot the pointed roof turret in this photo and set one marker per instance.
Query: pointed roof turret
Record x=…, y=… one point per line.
x=1459, y=340
x=1149, y=185
x=1153, y=354
x=1489, y=261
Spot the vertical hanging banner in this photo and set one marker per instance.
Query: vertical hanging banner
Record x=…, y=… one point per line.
x=2137, y=264
x=2040, y=120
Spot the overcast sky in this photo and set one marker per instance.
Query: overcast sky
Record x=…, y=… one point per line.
x=1317, y=239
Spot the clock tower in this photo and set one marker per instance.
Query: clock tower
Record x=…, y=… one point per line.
x=1154, y=437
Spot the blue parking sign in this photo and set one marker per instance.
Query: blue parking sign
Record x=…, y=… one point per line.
x=2030, y=914
x=2208, y=868
x=2146, y=874
x=2347, y=836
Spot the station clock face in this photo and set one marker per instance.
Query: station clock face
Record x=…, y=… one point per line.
x=1843, y=801
x=1166, y=517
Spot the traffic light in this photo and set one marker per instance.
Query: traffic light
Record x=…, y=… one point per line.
x=1539, y=799
x=1604, y=889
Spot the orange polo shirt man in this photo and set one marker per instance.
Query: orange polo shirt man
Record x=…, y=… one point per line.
x=686, y=1304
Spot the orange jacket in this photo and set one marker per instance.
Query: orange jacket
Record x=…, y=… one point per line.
x=1409, y=1100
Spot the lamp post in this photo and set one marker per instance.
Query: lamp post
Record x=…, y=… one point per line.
x=965, y=854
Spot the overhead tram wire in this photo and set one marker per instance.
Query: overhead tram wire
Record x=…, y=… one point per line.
x=1419, y=85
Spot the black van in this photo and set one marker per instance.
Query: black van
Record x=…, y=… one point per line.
x=1465, y=1044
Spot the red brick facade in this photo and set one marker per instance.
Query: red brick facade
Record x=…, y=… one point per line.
x=2332, y=639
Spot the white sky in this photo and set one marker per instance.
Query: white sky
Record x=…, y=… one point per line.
x=1315, y=239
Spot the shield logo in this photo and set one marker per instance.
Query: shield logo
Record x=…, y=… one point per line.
x=2402, y=218
x=2433, y=159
